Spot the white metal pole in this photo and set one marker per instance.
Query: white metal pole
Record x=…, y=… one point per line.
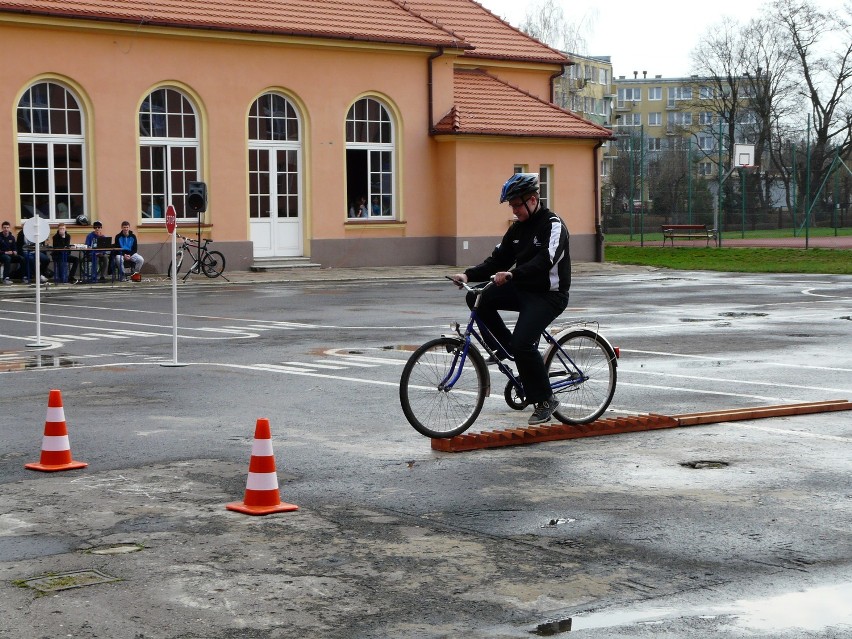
x=174, y=361
x=37, y=232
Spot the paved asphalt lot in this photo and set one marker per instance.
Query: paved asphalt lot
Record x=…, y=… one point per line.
x=738, y=529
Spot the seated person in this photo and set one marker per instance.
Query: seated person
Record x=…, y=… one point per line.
x=8, y=253
x=63, y=259
x=27, y=251
x=100, y=259
x=128, y=252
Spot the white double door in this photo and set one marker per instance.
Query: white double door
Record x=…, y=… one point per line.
x=275, y=202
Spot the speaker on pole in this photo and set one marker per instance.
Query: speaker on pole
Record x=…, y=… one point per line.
x=196, y=197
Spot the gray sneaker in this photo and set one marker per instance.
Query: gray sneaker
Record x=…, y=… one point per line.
x=543, y=411
x=6, y=280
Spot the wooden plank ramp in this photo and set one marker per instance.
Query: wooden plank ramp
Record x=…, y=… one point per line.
x=627, y=424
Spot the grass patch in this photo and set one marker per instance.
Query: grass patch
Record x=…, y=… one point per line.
x=739, y=260
x=735, y=234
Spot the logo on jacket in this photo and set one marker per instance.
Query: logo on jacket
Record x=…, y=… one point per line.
x=536, y=242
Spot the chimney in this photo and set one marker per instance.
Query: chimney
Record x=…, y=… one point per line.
x=644, y=74
x=635, y=74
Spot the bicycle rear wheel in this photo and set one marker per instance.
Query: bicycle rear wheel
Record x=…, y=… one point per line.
x=435, y=412
x=178, y=261
x=584, y=381
x=213, y=263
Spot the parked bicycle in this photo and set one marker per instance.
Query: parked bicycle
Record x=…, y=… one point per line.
x=446, y=380
x=211, y=263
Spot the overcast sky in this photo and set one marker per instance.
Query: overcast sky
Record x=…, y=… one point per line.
x=656, y=37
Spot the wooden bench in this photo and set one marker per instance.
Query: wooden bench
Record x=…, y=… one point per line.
x=688, y=232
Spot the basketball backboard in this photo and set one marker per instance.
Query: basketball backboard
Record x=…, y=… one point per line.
x=744, y=155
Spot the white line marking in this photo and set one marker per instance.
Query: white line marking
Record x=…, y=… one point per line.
x=799, y=433
x=374, y=360
x=716, y=358
x=76, y=337
x=285, y=369
x=315, y=365
x=776, y=400
x=634, y=371
x=349, y=363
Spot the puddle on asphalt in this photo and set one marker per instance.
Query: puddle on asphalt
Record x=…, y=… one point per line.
x=813, y=609
x=37, y=360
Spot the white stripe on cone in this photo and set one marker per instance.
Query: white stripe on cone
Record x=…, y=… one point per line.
x=262, y=481
x=55, y=442
x=55, y=414
x=261, y=448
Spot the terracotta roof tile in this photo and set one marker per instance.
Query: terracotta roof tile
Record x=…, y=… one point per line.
x=485, y=105
x=371, y=20
x=492, y=36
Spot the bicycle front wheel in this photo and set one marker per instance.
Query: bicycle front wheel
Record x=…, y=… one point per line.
x=434, y=411
x=582, y=374
x=178, y=261
x=213, y=263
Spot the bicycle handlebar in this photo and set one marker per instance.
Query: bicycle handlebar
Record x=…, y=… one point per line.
x=478, y=290
x=193, y=240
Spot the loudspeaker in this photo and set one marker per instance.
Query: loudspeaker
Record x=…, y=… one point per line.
x=196, y=197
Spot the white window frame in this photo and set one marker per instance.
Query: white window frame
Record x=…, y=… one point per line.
x=680, y=118
x=290, y=144
x=678, y=94
x=174, y=194
x=387, y=174
x=655, y=94
x=655, y=119
x=545, y=179
x=52, y=141
x=628, y=94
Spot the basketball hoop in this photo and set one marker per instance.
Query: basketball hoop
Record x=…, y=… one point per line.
x=744, y=156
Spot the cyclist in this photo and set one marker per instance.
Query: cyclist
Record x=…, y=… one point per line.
x=531, y=268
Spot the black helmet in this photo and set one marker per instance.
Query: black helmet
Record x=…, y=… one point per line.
x=82, y=220
x=519, y=185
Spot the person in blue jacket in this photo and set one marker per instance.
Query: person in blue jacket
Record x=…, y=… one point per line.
x=128, y=253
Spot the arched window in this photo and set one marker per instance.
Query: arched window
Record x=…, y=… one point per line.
x=51, y=153
x=274, y=158
x=168, y=152
x=369, y=160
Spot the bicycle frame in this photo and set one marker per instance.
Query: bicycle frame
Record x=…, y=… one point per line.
x=575, y=377
x=188, y=245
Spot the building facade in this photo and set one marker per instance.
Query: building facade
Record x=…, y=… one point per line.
x=362, y=133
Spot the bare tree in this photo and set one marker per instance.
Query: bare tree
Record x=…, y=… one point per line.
x=545, y=21
x=720, y=61
x=821, y=42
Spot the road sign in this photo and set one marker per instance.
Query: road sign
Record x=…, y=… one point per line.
x=171, y=219
x=36, y=229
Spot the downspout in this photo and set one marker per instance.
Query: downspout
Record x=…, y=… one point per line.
x=599, y=236
x=553, y=81
x=437, y=54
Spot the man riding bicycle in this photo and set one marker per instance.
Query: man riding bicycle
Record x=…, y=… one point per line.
x=531, y=267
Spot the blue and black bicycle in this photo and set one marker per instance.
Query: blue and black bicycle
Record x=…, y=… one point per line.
x=446, y=380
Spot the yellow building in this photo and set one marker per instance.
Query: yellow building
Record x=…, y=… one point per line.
x=359, y=133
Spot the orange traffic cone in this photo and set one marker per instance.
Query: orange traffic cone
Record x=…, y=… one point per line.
x=55, y=449
x=262, y=495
